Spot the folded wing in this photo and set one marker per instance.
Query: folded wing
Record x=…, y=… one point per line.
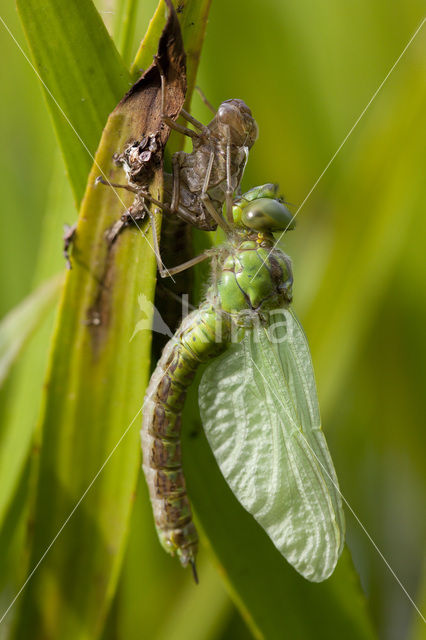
x=259, y=409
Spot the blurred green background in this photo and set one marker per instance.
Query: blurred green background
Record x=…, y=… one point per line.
x=307, y=70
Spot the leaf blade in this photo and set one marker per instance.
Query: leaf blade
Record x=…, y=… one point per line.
x=19, y=324
x=82, y=73
x=90, y=452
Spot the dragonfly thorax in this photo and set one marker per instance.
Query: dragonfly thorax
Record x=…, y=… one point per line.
x=253, y=277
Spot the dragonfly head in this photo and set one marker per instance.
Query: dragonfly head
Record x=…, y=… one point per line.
x=236, y=114
x=261, y=210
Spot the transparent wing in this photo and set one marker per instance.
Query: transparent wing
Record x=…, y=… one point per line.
x=259, y=409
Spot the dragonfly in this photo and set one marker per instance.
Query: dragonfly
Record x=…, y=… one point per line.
x=257, y=399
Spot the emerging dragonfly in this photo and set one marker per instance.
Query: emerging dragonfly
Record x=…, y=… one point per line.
x=258, y=402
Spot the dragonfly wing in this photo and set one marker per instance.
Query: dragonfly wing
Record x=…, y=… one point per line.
x=260, y=412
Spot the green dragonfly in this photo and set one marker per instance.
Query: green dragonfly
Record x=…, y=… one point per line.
x=257, y=399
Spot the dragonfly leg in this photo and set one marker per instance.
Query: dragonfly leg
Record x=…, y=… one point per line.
x=229, y=192
x=163, y=271
x=205, y=198
x=160, y=266
x=128, y=217
x=185, y=265
x=204, y=99
x=68, y=239
x=194, y=570
x=214, y=273
x=115, y=185
x=180, y=128
x=173, y=190
x=185, y=214
x=191, y=218
x=187, y=217
x=199, y=125
x=162, y=205
x=174, y=205
x=131, y=215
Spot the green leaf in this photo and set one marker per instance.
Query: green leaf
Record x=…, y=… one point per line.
x=26, y=382
x=19, y=324
x=94, y=392
x=124, y=27
x=24, y=391
x=33, y=315
x=90, y=448
x=82, y=73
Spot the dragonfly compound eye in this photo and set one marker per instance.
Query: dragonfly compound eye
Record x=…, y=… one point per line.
x=267, y=214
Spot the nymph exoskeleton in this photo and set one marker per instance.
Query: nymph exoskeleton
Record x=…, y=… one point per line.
x=202, y=181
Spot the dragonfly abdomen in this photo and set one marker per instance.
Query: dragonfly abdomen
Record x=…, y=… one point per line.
x=194, y=342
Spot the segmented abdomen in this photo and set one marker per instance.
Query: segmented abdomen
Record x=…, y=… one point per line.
x=194, y=342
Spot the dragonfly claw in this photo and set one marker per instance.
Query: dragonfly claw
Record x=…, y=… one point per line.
x=194, y=570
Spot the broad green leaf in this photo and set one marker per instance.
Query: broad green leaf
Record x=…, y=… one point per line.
x=12, y=540
x=19, y=324
x=32, y=316
x=90, y=450
x=27, y=379
x=124, y=27
x=260, y=411
x=82, y=73
x=93, y=396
